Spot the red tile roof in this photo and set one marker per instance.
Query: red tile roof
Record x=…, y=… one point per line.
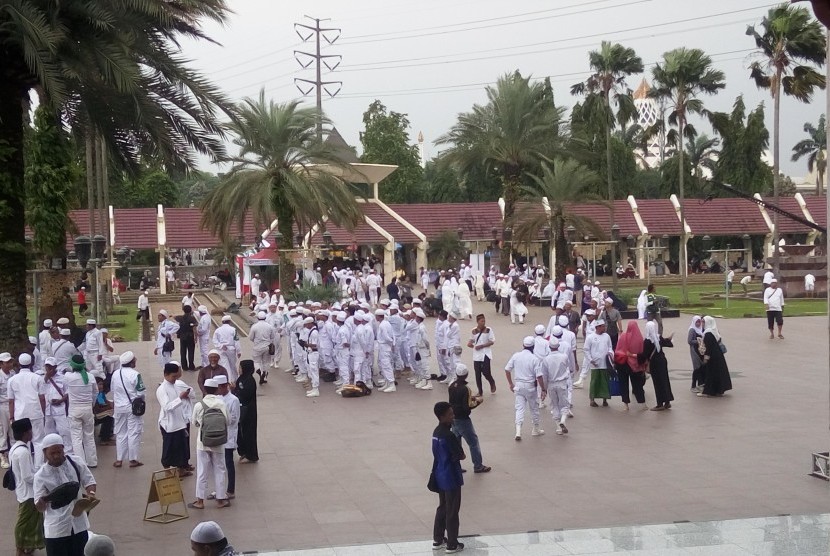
x=724, y=217
x=379, y=216
x=659, y=217
x=818, y=209
x=601, y=215
x=787, y=226
x=476, y=219
x=134, y=228
x=363, y=234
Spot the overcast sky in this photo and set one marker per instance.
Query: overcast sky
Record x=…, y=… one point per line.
x=431, y=59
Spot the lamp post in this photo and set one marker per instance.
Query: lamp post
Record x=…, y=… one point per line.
x=615, y=237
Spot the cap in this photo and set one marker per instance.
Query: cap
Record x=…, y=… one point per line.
x=91, y=321
x=539, y=330
x=65, y=332
x=47, y=322
x=261, y=315
x=417, y=301
x=455, y=315
x=25, y=359
x=599, y=322
x=5, y=356
x=609, y=300
x=99, y=545
x=556, y=331
x=562, y=321
x=384, y=302
x=528, y=341
x=51, y=361
x=211, y=383
x=380, y=313
x=596, y=283
x=590, y=312
x=164, y=313
x=214, y=352
x=51, y=440
x=272, y=304
x=207, y=532
x=308, y=320
x=220, y=380
x=33, y=340
x=63, y=320
x=203, y=309
x=226, y=318
x=126, y=357
x=104, y=331
x=461, y=369
x=419, y=313
x=553, y=342
x=774, y=280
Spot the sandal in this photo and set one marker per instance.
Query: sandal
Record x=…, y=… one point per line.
x=135, y=463
x=223, y=503
x=196, y=506
x=118, y=463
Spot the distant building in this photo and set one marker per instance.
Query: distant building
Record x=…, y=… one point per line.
x=648, y=114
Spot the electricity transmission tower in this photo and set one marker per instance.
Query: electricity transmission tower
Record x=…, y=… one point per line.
x=305, y=59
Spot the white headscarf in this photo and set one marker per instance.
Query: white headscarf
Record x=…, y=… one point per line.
x=641, y=304
x=653, y=335
x=693, y=326
x=711, y=327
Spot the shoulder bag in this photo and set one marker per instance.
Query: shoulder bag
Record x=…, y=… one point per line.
x=138, y=403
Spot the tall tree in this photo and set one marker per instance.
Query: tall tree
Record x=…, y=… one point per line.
x=702, y=152
x=112, y=69
x=385, y=140
x=744, y=141
x=682, y=76
x=283, y=171
x=815, y=149
x=151, y=187
x=611, y=65
x=562, y=184
x=791, y=45
x=517, y=128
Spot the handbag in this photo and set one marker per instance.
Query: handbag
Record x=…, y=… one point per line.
x=138, y=403
x=168, y=346
x=722, y=346
x=432, y=483
x=272, y=349
x=614, y=386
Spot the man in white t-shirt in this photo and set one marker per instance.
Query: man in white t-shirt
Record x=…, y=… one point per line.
x=774, y=304
x=170, y=277
x=768, y=277
x=730, y=276
x=809, y=285
x=745, y=282
x=481, y=342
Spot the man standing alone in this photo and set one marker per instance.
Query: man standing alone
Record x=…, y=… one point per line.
x=446, y=480
x=774, y=304
x=127, y=385
x=463, y=402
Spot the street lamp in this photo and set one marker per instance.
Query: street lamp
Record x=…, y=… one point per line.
x=83, y=249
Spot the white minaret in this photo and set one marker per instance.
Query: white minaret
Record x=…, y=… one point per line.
x=422, y=153
x=648, y=113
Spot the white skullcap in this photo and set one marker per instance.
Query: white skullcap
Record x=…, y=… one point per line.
x=226, y=318
x=164, y=313
x=553, y=342
x=210, y=383
x=365, y=306
x=24, y=359
x=261, y=315
x=417, y=301
x=556, y=331
x=342, y=316
x=50, y=361
x=384, y=302
x=292, y=304
x=65, y=332
x=47, y=322
x=5, y=356
x=324, y=313
x=126, y=357
x=33, y=340
x=590, y=312
x=460, y=369
x=596, y=283
x=203, y=309
x=419, y=313
x=220, y=380
x=63, y=320
x=528, y=341
x=272, y=304
x=51, y=440
x=308, y=320
x=380, y=313
x=91, y=321
x=99, y=545
x=104, y=331
x=539, y=330
x=562, y=320
x=207, y=532
x=455, y=315
x=600, y=322
x=609, y=300
x=214, y=352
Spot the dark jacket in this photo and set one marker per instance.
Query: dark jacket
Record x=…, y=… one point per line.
x=461, y=400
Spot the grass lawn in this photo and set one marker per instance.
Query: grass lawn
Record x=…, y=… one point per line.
x=123, y=325
x=739, y=306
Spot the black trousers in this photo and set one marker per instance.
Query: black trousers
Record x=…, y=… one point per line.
x=483, y=368
x=446, y=517
x=174, y=448
x=505, y=305
x=637, y=380
x=229, y=465
x=72, y=545
x=107, y=425
x=187, y=348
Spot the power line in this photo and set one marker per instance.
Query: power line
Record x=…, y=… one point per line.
x=257, y=58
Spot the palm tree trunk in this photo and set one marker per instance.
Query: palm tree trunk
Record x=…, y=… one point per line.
x=512, y=181
x=563, y=254
x=12, y=235
x=776, y=166
x=285, y=224
x=682, y=263
x=610, y=191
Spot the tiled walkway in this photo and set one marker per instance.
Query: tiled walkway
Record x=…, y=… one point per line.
x=805, y=535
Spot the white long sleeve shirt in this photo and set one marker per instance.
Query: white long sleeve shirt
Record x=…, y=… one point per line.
x=234, y=410
x=386, y=333
x=94, y=342
x=440, y=337
x=452, y=334
x=556, y=367
x=126, y=385
x=261, y=336
x=774, y=299
x=224, y=338
x=204, y=326
x=597, y=349
x=143, y=302
x=166, y=328
x=171, y=418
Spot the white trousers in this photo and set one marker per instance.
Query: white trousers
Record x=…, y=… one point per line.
x=585, y=369
x=275, y=359
x=165, y=357
x=93, y=365
x=313, y=365
x=403, y=353
x=559, y=404
x=262, y=360
x=5, y=428
x=82, y=430
x=228, y=360
x=442, y=359
x=373, y=296
x=59, y=424
x=204, y=348
x=211, y=463
x=526, y=395
x=386, y=362
x=128, y=430
x=343, y=366
x=327, y=358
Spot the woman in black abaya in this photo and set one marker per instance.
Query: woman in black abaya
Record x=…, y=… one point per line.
x=246, y=392
x=716, y=372
x=658, y=366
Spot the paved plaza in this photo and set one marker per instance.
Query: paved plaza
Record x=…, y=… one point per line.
x=338, y=472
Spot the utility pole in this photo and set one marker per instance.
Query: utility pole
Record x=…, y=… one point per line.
x=330, y=35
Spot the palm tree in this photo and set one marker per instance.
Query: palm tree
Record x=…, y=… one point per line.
x=703, y=153
x=815, y=149
x=791, y=43
x=611, y=65
x=518, y=127
x=683, y=75
x=109, y=69
x=561, y=185
x=282, y=171
x=446, y=250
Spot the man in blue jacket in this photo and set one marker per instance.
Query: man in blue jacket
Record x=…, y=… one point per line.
x=447, y=454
